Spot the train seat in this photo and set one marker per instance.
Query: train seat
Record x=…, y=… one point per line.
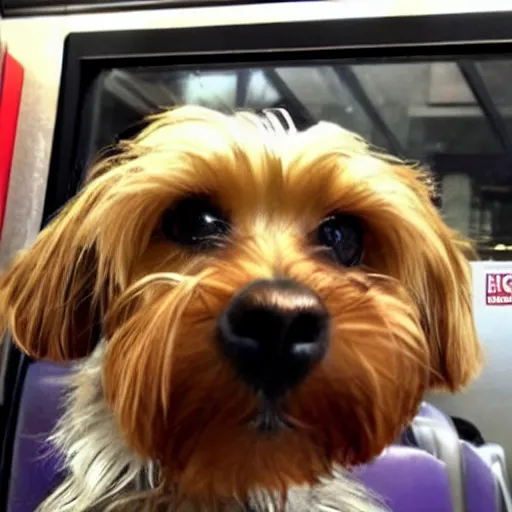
x=418, y=478
x=478, y=473
x=35, y=469
x=408, y=479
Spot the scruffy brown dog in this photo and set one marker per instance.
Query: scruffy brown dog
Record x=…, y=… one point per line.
x=272, y=308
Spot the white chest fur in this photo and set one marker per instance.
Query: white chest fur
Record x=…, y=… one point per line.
x=104, y=475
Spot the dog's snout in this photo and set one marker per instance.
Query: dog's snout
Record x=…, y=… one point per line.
x=274, y=332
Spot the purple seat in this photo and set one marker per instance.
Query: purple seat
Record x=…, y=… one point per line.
x=473, y=483
x=35, y=470
x=481, y=489
x=429, y=411
x=495, y=457
x=409, y=479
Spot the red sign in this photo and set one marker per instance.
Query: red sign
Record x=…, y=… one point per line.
x=11, y=80
x=499, y=289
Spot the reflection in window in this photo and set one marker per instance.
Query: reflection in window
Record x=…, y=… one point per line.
x=429, y=107
x=227, y=90
x=456, y=116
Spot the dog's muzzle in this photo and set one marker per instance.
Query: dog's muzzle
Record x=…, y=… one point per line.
x=274, y=332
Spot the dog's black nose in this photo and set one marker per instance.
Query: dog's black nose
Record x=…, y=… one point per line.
x=274, y=332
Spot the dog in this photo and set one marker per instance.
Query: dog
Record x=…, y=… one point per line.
x=271, y=306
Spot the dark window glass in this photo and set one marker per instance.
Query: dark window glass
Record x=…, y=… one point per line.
x=456, y=116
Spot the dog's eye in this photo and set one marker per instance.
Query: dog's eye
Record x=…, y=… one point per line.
x=195, y=222
x=344, y=235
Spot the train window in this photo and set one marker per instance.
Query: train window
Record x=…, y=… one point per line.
x=454, y=115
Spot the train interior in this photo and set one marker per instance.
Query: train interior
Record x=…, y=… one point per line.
x=451, y=111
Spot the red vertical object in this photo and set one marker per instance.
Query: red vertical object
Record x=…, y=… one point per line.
x=11, y=81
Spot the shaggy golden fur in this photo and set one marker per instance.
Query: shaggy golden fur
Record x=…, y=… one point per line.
x=401, y=321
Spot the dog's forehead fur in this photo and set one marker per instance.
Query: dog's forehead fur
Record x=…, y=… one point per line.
x=255, y=174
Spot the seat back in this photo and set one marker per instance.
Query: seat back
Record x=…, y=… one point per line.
x=35, y=469
x=481, y=489
x=495, y=457
x=433, y=413
x=409, y=479
x=440, y=439
x=474, y=484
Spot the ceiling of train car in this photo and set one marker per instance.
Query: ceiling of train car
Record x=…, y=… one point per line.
x=11, y=8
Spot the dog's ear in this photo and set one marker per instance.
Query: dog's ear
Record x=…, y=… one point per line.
x=431, y=260
x=446, y=301
x=49, y=298
x=438, y=274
